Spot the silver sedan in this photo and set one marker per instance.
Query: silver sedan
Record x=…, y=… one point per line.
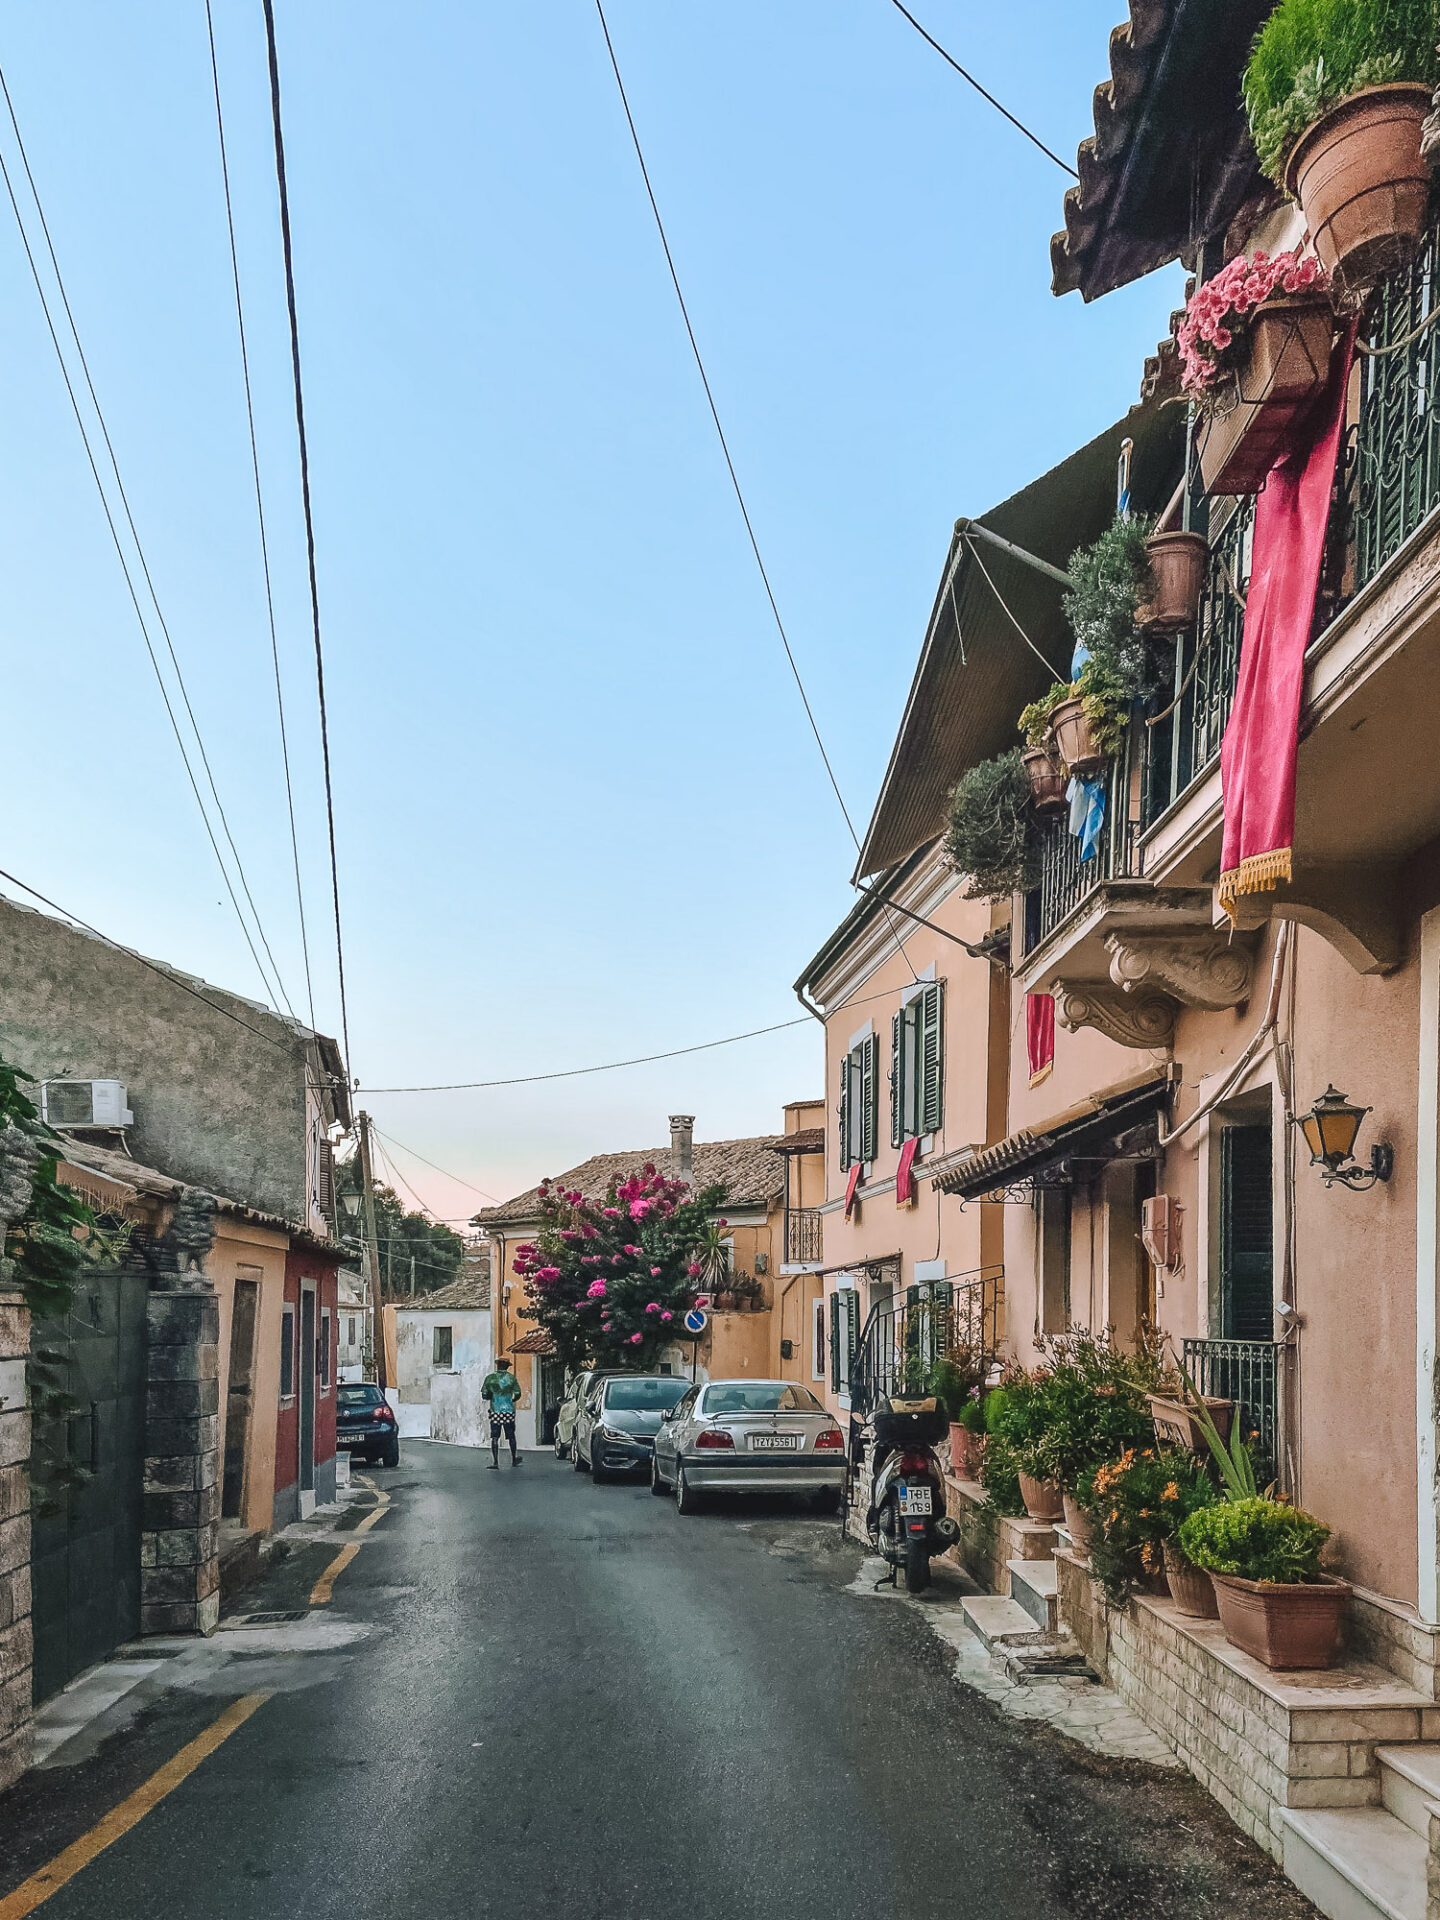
x=748, y=1436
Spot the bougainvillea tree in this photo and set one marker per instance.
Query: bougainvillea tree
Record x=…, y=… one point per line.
x=609, y=1279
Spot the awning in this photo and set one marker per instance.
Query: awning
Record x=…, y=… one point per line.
x=1092, y=1131
x=975, y=671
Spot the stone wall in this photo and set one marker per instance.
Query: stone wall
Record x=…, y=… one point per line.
x=1256, y=1741
x=989, y=1540
x=180, y=1540
x=15, y=1632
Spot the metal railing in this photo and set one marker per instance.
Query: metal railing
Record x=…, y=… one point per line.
x=803, y=1236
x=903, y=1338
x=1066, y=880
x=1397, y=448
x=1247, y=1372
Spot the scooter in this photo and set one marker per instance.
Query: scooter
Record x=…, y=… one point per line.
x=907, y=1521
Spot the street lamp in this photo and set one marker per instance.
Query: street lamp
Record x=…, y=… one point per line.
x=1330, y=1128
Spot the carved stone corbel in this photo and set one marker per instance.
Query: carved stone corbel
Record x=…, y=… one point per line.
x=1135, y=1019
x=181, y=1251
x=1198, y=969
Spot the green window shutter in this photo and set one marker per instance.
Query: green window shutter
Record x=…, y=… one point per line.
x=931, y=1090
x=835, y=1299
x=1247, y=1263
x=897, y=1079
x=869, y=1096
x=844, y=1112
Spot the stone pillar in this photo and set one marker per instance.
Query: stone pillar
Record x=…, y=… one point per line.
x=180, y=1537
x=15, y=1635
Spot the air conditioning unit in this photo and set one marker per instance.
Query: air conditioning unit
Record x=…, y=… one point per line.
x=1160, y=1229
x=85, y=1103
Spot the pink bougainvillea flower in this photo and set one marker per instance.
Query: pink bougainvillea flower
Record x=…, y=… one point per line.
x=693, y=1268
x=639, y=1208
x=547, y=1273
x=617, y=1259
x=612, y=1213
x=667, y=1316
x=596, y=1290
x=636, y=1338
x=654, y=1273
x=653, y=1307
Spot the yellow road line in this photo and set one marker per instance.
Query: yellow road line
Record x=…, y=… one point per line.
x=39, y=1887
x=323, y=1588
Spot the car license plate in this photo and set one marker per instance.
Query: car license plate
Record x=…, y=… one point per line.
x=915, y=1500
x=774, y=1443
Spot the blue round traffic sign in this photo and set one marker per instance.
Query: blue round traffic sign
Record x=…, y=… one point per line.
x=696, y=1321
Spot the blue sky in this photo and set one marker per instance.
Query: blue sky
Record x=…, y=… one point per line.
x=580, y=815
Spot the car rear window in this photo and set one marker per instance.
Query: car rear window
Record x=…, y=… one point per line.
x=761, y=1397
x=359, y=1396
x=644, y=1396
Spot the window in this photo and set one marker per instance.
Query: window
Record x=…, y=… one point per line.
x=760, y=1396
x=442, y=1347
x=915, y=1066
x=844, y=1336
x=322, y=1351
x=640, y=1395
x=350, y=1331
x=817, y=1341
x=1054, y=1232
x=1247, y=1261
x=859, y=1101
x=287, y=1353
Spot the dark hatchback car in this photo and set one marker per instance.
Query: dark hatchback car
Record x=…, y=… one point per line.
x=618, y=1421
x=365, y=1423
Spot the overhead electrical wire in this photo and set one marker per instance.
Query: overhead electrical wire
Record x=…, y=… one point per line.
x=284, y=193
x=275, y=990
x=434, y=1169
x=984, y=93
x=260, y=509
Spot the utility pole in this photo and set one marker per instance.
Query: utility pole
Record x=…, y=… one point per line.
x=372, y=1251
x=412, y=1276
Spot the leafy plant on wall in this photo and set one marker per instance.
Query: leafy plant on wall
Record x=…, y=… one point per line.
x=990, y=834
x=610, y=1278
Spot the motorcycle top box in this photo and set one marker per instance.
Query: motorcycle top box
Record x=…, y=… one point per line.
x=905, y=1427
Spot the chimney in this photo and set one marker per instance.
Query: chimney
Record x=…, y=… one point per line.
x=682, y=1142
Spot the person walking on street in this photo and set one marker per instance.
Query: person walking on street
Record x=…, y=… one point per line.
x=501, y=1392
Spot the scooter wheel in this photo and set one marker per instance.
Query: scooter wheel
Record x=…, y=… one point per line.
x=917, y=1566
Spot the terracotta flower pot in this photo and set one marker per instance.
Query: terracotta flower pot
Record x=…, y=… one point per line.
x=1079, y=1525
x=724, y=1302
x=1043, y=1499
x=1192, y=1591
x=1284, y=1627
x=965, y=1451
x=1362, y=184
x=1284, y=374
x=1176, y=1424
x=1074, y=737
x=1046, y=777
x=1179, y=562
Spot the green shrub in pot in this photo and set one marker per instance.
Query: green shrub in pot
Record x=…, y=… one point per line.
x=1138, y=1502
x=1257, y=1539
x=991, y=834
x=1034, y=722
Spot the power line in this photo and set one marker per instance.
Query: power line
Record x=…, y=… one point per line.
x=163, y=972
x=278, y=989
x=260, y=510
x=1019, y=125
x=434, y=1169
x=715, y=416
x=280, y=180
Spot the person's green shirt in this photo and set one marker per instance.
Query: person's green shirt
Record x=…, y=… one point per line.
x=502, y=1390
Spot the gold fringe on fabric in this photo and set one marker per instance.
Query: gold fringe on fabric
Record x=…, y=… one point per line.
x=1042, y=1073
x=1256, y=873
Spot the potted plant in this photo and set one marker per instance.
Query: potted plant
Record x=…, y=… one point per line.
x=1015, y=1422
x=957, y=1382
x=1254, y=344
x=1110, y=580
x=967, y=1440
x=1337, y=92
x=990, y=835
x=1043, y=770
x=1135, y=1506
x=1095, y=1410
x=1263, y=1557
x=1177, y=1423
x=1179, y=562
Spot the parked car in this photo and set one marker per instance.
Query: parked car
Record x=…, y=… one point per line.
x=365, y=1423
x=569, y=1414
x=618, y=1420
x=748, y=1436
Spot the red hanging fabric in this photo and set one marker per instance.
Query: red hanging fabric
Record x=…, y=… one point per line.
x=1040, y=1034
x=905, y=1174
x=1257, y=755
x=850, y=1185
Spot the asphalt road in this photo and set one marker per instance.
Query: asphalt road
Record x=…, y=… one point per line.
x=531, y=1696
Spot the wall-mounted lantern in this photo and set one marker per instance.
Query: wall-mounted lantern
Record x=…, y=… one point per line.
x=1330, y=1128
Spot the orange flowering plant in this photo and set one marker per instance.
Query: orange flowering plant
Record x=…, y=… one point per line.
x=1138, y=1502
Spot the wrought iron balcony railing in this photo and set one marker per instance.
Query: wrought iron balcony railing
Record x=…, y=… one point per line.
x=1065, y=879
x=1247, y=1372
x=903, y=1338
x=803, y=1237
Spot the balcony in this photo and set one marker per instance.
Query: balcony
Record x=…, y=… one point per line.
x=903, y=1338
x=1376, y=640
x=1247, y=1372
x=803, y=1237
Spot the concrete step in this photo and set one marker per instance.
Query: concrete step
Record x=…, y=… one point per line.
x=1355, y=1863
x=1035, y=1585
x=997, y=1622
x=1409, y=1783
